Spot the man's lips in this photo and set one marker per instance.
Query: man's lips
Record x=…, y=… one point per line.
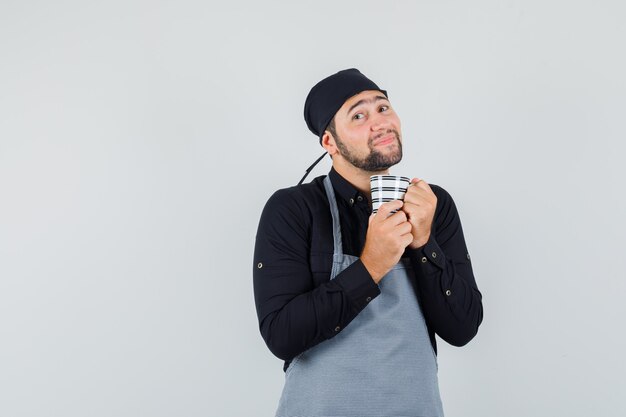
x=385, y=140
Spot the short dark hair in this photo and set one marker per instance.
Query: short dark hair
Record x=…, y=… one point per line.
x=331, y=128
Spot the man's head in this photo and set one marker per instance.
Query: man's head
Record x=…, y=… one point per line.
x=355, y=121
x=365, y=132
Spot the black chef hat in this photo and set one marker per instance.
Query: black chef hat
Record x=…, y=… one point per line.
x=328, y=95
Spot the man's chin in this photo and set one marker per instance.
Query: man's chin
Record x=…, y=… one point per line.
x=392, y=160
x=384, y=165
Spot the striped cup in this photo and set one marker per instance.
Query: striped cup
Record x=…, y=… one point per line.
x=387, y=188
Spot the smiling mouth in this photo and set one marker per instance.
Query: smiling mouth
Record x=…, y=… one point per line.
x=385, y=140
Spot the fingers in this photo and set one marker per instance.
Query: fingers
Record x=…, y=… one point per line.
x=398, y=217
x=420, y=183
x=385, y=209
x=419, y=192
x=404, y=228
x=407, y=239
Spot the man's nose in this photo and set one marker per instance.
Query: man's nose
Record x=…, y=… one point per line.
x=379, y=122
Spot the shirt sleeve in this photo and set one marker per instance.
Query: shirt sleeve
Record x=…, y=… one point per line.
x=449, y=296
x=294, y=314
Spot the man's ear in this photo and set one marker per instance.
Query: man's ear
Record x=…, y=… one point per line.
x=328, y=142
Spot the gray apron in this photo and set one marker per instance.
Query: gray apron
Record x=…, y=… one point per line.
x=380, y=364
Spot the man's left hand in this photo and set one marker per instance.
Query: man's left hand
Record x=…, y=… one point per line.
x=419, y=206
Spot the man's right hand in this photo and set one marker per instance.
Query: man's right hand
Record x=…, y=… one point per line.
x=387, y=237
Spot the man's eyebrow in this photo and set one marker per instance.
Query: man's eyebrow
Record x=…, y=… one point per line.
x=362, y=101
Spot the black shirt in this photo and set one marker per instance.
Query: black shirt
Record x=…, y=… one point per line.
x=297, y=304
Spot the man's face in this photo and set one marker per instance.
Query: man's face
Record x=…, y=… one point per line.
x=368, y=132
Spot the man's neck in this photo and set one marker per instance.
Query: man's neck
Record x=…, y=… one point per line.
x=359, y=178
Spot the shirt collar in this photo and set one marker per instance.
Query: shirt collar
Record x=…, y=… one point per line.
x=344, y=189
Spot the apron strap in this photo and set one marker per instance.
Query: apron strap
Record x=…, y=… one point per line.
x=334, y=211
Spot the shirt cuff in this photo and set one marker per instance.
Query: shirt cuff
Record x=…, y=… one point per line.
x=428, y=258
x=358, y=284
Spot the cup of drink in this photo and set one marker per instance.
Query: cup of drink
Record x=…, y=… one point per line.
x=387, y=188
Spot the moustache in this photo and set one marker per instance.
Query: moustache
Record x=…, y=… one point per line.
x=374, y=139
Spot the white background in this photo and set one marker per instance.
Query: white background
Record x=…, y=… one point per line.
x=139, y=142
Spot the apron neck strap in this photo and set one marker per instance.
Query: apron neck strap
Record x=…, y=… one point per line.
x=334, y=211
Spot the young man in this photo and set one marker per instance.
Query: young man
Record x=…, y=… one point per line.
x=352, y=301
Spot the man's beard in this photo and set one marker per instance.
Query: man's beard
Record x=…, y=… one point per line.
x=375, y=161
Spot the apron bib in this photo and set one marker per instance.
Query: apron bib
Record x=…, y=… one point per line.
x=380, y=365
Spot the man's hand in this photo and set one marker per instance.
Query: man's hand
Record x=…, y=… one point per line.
x=387, y=237
x=419, y=206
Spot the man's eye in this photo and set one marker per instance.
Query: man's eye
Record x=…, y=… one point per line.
x=356, y=116
x=384, y=108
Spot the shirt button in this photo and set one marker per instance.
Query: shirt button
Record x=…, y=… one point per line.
x=448, y=292
x=351, y=201
x=259, y=265
x=424, y=259
x=359, y=198
x=468, y=256
x=434, y=254
x=368, y=299
x=337, y=328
